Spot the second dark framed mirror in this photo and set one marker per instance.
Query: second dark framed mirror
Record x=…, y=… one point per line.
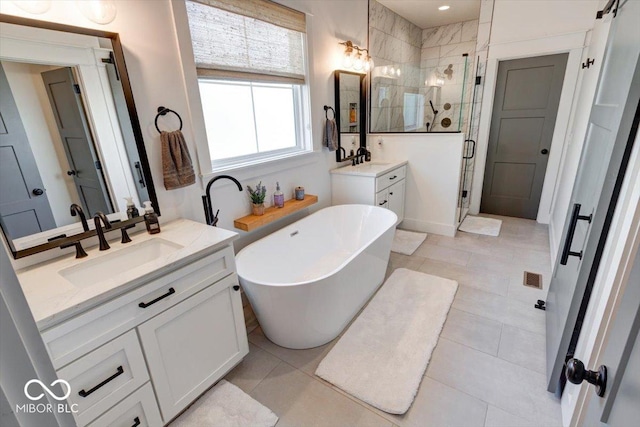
x=350, y=102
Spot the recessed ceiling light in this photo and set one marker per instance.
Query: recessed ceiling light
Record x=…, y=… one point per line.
x=445, y=7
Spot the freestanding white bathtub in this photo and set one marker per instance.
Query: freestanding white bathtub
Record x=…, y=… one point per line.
x=306, y=281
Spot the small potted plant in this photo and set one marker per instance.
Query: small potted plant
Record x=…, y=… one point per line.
x=257, y=196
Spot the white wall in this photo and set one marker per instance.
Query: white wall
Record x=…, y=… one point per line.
x=160, y=76
x=39, y=124
x=532, y=19
x=433, y=177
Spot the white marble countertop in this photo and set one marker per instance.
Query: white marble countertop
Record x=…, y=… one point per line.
x=374, y=168
x=52, y=298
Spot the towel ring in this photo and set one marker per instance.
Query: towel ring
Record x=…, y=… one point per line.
x=326, y=112
x=162, y=111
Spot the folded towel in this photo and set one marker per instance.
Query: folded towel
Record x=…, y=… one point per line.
x=330, y=135
x=177, y=167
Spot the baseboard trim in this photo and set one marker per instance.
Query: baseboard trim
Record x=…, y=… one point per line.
x=428, y=227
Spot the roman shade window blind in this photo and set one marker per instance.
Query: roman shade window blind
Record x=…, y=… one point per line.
x=255, y=40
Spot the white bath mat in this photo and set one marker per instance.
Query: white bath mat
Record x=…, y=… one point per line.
x=225, y=405
x=480, y=225
x=406, y=242
x=383, y=355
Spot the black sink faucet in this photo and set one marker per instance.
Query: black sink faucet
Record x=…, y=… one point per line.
x=360, y=158
x=206, y=199
x=99, y=216
x=76, y=210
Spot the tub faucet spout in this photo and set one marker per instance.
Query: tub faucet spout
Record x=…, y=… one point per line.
x=210, y=218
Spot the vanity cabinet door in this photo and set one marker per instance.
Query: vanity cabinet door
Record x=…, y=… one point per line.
x=396, y=199
x=193, y=344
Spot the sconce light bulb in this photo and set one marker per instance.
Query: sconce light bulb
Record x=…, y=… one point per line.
x=385, y=70
x=347, y=61
x=358, y=63
x=36, y=7
x=98, y=11
x=392, y=70
x=367, y=66
x=398, y=72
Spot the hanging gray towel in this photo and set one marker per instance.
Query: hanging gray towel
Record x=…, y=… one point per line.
x=177, y=167
x=330, y=135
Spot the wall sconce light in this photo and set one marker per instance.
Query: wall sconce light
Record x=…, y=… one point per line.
x=353, y=58
x=98, y=11
x=35, y=7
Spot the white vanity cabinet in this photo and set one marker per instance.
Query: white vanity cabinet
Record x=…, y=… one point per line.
x=374, y=183
x=143, y=356
x=194, y=343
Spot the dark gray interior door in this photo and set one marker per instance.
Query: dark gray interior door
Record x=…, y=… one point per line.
x=86, y=169
x=600, y=171
x=24, y=206
x=524, y=115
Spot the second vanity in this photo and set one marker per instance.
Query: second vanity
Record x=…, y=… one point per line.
x=143, y=329
x=371, y=183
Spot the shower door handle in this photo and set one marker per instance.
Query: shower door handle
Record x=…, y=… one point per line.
x=473, y=149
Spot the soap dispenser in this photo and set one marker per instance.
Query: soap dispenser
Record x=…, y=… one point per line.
x=151, y=219
x=132, y=211
x=278, y=197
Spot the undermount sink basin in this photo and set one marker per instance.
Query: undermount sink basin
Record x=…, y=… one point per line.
x=96, y=270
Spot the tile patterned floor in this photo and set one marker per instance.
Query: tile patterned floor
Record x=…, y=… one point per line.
x=487, y=369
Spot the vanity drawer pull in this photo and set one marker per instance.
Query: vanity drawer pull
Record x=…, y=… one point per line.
x=136, y=422
x=84, y=393
x=236, y=287
x=147, y=304
x=382, y=203
x=393, y=177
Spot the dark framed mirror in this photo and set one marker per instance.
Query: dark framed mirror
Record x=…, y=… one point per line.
x=70, y=132
x=351, y=112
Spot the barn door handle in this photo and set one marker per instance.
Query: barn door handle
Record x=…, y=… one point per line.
x=71, y=172
x=576, y=373
x=140, y=174
x=575, y=217
x=37, y=191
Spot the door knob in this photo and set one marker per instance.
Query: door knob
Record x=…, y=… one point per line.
x=71, y=172
x=576, y=373
x=544, y=151
x=37, y=192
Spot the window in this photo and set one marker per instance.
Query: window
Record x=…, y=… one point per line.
x=250, y=58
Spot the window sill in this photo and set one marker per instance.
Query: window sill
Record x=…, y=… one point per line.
x=253, y=170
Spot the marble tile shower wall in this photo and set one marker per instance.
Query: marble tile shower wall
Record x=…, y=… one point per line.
x=442, y=50
x=394, y=42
